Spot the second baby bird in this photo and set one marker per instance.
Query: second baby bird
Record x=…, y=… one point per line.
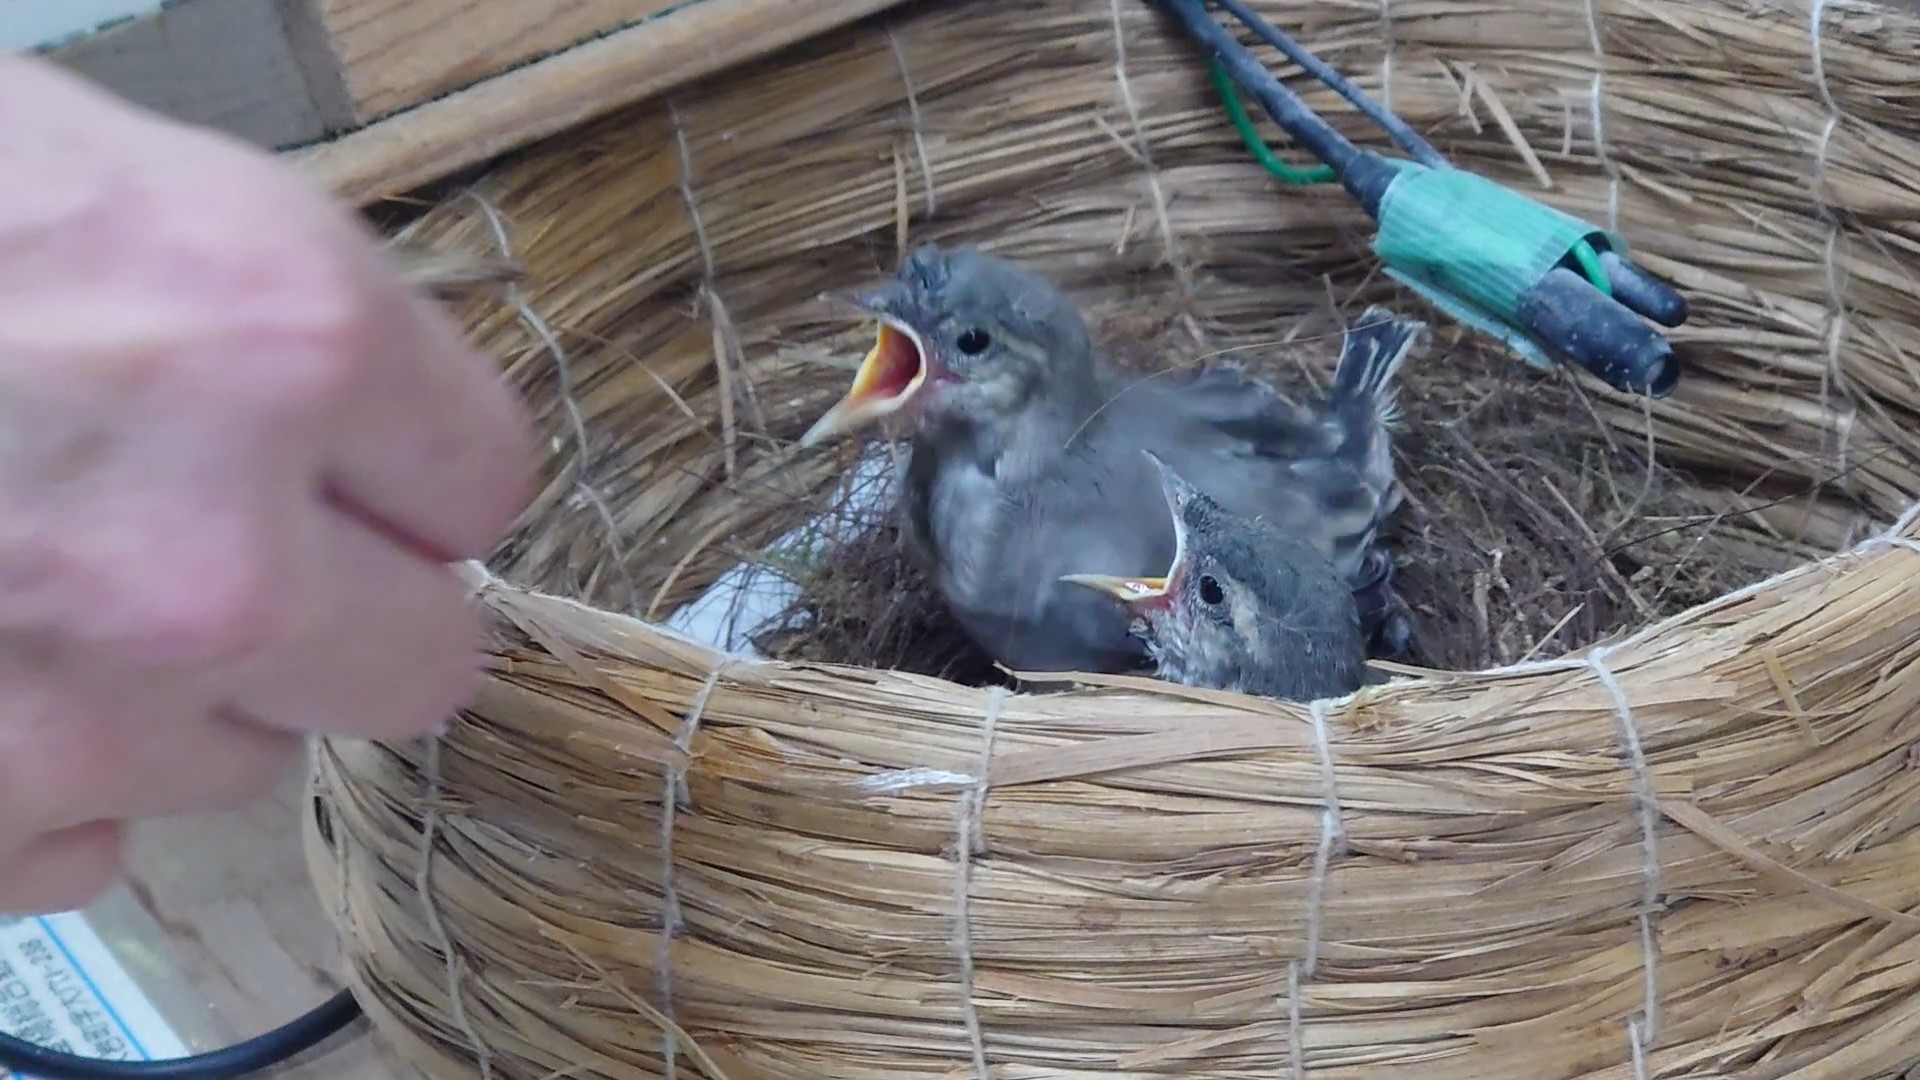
x=1026, y=462
x=1245, y=606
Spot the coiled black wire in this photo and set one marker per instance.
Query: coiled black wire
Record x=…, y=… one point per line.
x=257, y=1054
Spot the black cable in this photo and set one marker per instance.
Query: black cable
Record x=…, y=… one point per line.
x=257, y=1054
x=1314, y=135
x=1363, y=173
x=1587, y=312
x=1395, y=127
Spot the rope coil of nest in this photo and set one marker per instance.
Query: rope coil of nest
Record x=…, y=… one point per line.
x=1691, y=851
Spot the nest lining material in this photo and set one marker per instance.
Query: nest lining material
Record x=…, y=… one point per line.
x=1687, y=855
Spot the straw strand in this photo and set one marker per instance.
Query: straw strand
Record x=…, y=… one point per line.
x=1896, y=534
x=725, y=341
x=694, y=217
x=1333, y=837
x=582, y=457
x=1596, y=96
x=1296, y=1052
x=1646, y=1033
x=913, y=114
x=1386, y=55
x=341, y=864
x=1333, y=833
x=969, y=841
x=1169, y=238
x=430, y=909
x=673, y=796
x=1833, y=378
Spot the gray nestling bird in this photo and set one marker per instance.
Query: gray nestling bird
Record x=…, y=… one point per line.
x=1245, y=605
x=1025, y=462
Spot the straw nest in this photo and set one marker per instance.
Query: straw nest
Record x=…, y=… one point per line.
x=1688, y=852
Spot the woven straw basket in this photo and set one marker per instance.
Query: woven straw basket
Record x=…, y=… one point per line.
x=1690, y=853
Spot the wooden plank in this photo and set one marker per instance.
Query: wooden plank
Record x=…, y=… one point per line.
x=470, y=126
x=219, y=923
x=226, y=64
x=396, y=53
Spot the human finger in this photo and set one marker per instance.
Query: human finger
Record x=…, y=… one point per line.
x=62, y=871
x=431, y=445
x=387, y=648
x=73, y=756
x=289, y=314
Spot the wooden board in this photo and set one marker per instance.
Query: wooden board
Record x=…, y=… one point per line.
x=219, y=923
x=236, y=65
x=396, y=53
x=281, y=73
x=550, y=95
x=411, y=90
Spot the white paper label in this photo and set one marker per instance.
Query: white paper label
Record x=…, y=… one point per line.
x=62, y=988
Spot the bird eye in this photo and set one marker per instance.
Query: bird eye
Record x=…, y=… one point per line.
x=973, y=342
x=1210, y=591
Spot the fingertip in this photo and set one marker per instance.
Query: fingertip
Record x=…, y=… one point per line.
x=414, y=659
x=447, y=677
x=513, y=447
x=460, y=478
x=517, y=473
x=463, y=670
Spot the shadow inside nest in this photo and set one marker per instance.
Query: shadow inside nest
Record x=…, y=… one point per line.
x=1530, y=528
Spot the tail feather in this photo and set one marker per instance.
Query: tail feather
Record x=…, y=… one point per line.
x=1366, y=407
x=1376, y=344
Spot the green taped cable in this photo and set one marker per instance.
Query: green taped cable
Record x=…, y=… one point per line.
x=1243, y=123
x=1582, y=251
x=1589, y=261
x=1555, y=288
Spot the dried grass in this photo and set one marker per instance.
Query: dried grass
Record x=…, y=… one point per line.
x=1689, y=854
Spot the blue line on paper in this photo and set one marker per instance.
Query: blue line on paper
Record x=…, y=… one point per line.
x=132, y=1039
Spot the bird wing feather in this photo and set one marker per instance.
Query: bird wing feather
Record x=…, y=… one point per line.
x=1305, y=469
x=1002, y=550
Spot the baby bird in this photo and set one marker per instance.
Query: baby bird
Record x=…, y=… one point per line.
x=1245, y=606
x=1026, y=464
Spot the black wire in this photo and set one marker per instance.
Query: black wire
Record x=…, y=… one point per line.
x=1395, y=127
x=1313, y=134
x=259, y=1053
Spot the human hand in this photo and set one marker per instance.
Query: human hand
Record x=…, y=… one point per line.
x=235, y=458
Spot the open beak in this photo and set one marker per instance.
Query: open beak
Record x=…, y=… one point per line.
x=891, y=375
x=1135, y=592
x=1140, y=593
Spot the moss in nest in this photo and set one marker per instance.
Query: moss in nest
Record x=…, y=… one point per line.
x=1530, y=527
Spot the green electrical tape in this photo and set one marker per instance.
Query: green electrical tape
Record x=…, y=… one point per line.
x=1469, y=246
x=1473, y=248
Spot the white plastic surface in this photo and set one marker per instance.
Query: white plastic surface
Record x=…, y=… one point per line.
x=61, y=987
x=25, y=24
x=742, y=602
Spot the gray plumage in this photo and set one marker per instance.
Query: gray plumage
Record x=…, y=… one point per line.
x=1026, y=460
x=1246, y=606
